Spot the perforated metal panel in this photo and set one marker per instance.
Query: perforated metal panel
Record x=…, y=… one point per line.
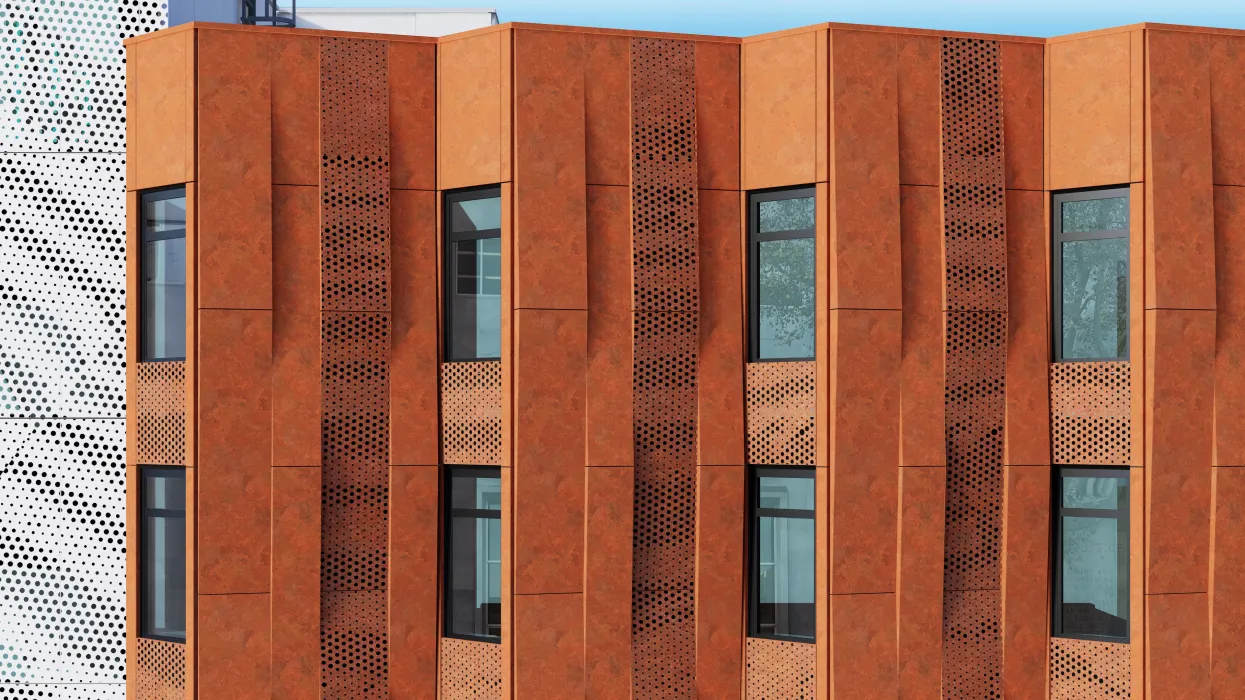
x=778, y=670
x=470, y=670
x=781, y=408
x=161, y=399
x=1085, y=670
x=160, y=670
x=665, y=273
x=471, y=412
x=1091, y=413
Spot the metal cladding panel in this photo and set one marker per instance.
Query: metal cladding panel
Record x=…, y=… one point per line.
x=161, y=399
x=1082, y=669
x=781, y=413
x=471, y=412
x=1091, y=413
x=161, y=670
x=976, y=334
x=469, y=670
x=778, y=670
x=666, y=291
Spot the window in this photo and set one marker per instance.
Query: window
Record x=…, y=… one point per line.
x=1091, y=275
x=163, y=546
x=163, y=263
x=782, y=272
x=1091, y=554
x=473, y=275
x=782, y=603
x=473, y=559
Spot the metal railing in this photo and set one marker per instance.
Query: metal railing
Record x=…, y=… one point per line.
x=273, y=16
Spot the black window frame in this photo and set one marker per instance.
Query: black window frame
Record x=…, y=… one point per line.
x=755, y=239
x=755, y=513
x=450, y=512
x=1058, y=511
x=449, y=238
x=1059, y=238
x=154, y=195
x=143, y=533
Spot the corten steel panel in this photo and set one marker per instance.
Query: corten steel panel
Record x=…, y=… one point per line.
x=918, y=83
x=607, y=397
x=1090, y=412
x=164, y=118
x=473, y=105
x=295, y=326
x=1227, y=98
x=471, y=412
x=469, y=670
x=295, y=583
x=413, y=581
x=1026, y=569
x=972, y=648
x=549, y=645
x=235, y=450
x=1027, y=438
x=413, y=377
x=548, y=502
x=781, y=412
x=717, y=114
x=778, y=83
x=1180, y=210
x=550, y=220
x=864, y=152
x=234, y=256
x=234, y=647
x=721, y=394
x=922, y=403
x=412, y=115
x=1180, y=347
x=1022, y=79
x=922, y=505
x=1081, y=669
x=160, y=395
x=1227, y=620
x=607, y=583
x=607, y=110
x=1090, y=89
x=1178, y=647
x=1229, y=448
x=778, y=670
x=862, y=647
x=665, y=332
x=295, y=110
x=160, y=670
x=720, y=528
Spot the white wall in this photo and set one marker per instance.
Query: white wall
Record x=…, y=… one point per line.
x=415, y=22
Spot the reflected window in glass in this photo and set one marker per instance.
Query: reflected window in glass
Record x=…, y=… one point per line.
x=163, y=547
x=473, y=556
x=782, y=271
x=1092, y=554
x=473, y=275
x=783, y=554
x=162, y=263
x=1091, y=275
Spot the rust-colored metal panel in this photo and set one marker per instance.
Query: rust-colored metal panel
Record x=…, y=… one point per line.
x=160, y=670
x=862, y=647
x=781, y=412
x=295, y=109
x=469, y=670
x=1180, y=210
x=1227, y=99
x=864, y=149
x=1081, y=669
x=160, y=395
x=972, y=659
x=607, y=110
x=471, y=405
x=1227, y=603
x=917, y=88
x=607, y=583
x=720, y=528
x=295, y=326
x=922, y=504
x=164, y=118
x=779, y=111
x=549, y=645
x=717, y=115
x=1090, y=412
x=235, y=451
x=1177, y=646
x=607, y=395
x=1025, y=571
x=1027, y=439
x=1180, y=347
x=234, y=647
x=412, y=115
x=548, y=515
x=472, y=110
x=1229, y=447
x=1089, y=88
x=922, y=402
x=414, y=507
x=234, y=237
x=1021, y=78
x=295, y=583
x=721, y=386
x=413, y=376
x=778, y=670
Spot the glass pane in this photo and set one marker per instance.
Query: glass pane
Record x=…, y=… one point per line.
x=475, y=215
x=1109, y=214
x=1103, y=493
x=475, y=301
x=1095, y=576
x=785, y=580
x=164, y=299
x=474, y=560
x=163, y=562
x=786, y=215
x=1095, y=299
x=785, y=289
x=789, y=492
x=164, y=215
x=475, y=492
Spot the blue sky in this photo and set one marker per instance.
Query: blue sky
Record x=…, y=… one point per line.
x=744, y=17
